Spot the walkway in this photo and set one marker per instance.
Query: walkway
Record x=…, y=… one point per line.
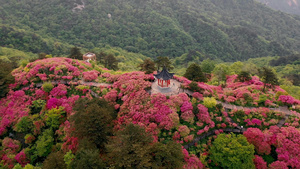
x=282, y=109
x=94, y=84
x=174, y=89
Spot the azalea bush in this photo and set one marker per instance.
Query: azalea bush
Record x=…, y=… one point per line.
x=286, y=143
x=58, y=68
x=37, y=116
x=250, y=94
x=260, y=118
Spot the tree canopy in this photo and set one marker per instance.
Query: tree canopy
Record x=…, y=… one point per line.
x=194, y=73
x=231, y=151
x=268, y=77
x=75, y=53
x=148, y=66
x=110, y=62
x=5, y=77
x=164, y=61
x=92, y=120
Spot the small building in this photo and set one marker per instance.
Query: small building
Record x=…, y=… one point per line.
x=164, y=77
x=89, y=56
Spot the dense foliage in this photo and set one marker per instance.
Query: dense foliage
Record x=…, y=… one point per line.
x=194, y=73
x=227, y=30
x=288, y=6
x=230, y=151
x=5, y=77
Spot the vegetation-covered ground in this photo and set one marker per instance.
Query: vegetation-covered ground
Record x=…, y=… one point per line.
x=230, y=31
x=50, y=118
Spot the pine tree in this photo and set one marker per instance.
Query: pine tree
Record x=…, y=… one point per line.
x=163, y=61
x=168, y=155
x=75, y=53
x=100, y=56
x=244, y=76
x=5, y=77
x=194, y=73
x=110, y=62
x=92, y=120
x=87, y=158
x=268, y=77
x=55, y=160
x=131, y=147
x=148, y=66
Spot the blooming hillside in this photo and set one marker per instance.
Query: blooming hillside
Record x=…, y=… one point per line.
x=37, y=117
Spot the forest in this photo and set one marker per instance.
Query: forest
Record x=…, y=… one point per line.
x=229, y=31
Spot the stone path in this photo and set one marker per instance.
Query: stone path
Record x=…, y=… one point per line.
x=282, y=109
x=94, y=84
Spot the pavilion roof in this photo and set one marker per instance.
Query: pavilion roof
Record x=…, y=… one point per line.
x=164, y=74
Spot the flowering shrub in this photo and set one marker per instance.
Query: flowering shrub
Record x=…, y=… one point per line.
x=286, y=141
x=50, y=69
x=287, y=99
x=261, y=117
x=90, y=75
x=259, y=162
x=12, y=108
x=192, y=161
x=256, y=137
x=167, y=118
x=184, y=130
x=22, y=159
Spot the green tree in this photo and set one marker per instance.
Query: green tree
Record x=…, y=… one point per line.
x=244, y=76
x=162, y=61
x=100, y=57
x=110, y=62
x=148, y=66
x=5, y=77
x=168, y=156
x=236, y=67
x=75, y=53
x=194, y=73
x=268, y=77
x=55, y=160
x=220, y=72
x=44, y=143
x=92, y=120
x=131, y=147
x=87, y=158
x=208, y=65
x=231, y=151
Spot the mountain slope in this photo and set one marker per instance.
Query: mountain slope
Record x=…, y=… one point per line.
x=235, y=30
x=288, y=6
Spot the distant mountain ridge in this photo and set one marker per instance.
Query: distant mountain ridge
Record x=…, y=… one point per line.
x=231, y=30
x=288, y=6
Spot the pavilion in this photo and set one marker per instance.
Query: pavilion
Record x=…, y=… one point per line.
x=89, y=56
x=164, y=77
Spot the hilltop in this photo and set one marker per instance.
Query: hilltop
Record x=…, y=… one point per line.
x=230, y=31
x=62, y=112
